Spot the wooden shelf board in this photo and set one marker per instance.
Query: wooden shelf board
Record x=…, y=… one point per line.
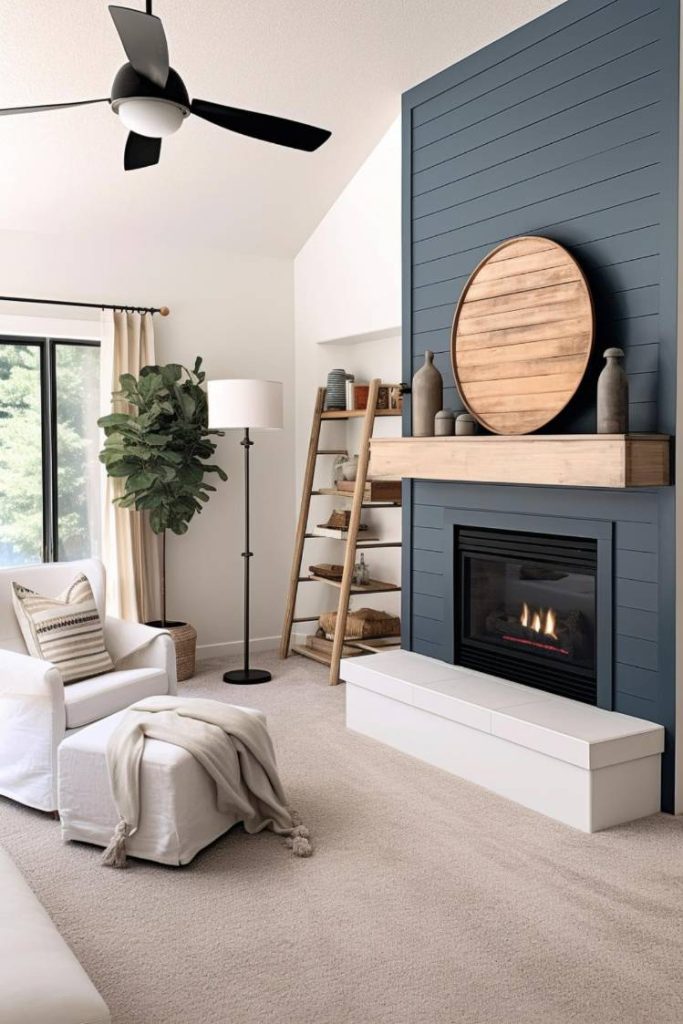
x=353, y=414
x=379, y=544
x=555, y=460
x=331, y=492
x=323, y=657
x=378, y=643
x=373, y=587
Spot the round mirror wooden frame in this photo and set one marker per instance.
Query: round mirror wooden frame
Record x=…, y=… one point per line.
x=522, y=335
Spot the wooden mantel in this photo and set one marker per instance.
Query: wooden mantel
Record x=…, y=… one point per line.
x=558, y=460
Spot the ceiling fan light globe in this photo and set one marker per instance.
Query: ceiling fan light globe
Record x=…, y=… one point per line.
x=155, y=118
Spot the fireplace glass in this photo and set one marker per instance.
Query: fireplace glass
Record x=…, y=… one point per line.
x=527, y=609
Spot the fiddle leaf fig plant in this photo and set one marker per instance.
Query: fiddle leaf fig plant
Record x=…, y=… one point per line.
x=161, y=449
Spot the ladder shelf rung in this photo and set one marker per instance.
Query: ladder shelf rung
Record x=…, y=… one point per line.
x=331, y=451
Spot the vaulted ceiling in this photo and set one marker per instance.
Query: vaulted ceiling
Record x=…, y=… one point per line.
x=341, y=64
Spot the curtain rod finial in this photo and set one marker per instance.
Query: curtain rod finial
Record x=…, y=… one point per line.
x=164, y=310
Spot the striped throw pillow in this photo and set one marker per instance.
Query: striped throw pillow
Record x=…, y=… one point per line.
x=65, y=630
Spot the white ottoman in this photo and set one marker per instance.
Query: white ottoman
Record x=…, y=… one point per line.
x=178, y=816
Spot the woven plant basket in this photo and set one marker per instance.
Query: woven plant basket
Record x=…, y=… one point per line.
x=184, y=637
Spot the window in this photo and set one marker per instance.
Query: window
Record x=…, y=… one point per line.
x=49, y=471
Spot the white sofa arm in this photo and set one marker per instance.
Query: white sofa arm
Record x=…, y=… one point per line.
x=132, y=645
x=32, y=725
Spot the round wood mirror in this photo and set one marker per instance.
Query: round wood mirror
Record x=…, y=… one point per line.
x=522, y=335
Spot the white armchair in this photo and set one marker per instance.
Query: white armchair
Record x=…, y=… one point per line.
x=37, y=711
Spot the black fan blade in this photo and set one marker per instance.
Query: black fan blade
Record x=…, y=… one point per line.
x=141, y=151
x=49, y=106
x=144, y=41
x=262, y=126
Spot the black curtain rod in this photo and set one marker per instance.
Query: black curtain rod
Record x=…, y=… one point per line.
x=163, y=310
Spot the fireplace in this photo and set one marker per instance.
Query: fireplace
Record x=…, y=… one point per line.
x=526, y=609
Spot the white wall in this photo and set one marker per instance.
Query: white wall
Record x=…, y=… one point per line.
x=237, y=312
x=347, y=287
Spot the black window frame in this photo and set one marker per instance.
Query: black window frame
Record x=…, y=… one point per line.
x=48, y=423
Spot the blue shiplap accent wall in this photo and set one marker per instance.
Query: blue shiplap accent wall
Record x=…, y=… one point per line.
x=568, y=127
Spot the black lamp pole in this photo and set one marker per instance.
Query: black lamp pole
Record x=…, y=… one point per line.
x=245, y=676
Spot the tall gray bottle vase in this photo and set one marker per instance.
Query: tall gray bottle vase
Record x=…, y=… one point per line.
x=427, y=397
x=613, y=395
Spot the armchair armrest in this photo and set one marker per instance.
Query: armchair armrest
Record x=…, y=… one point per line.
x=132, y=645
x=32, y=724
x=22, y=674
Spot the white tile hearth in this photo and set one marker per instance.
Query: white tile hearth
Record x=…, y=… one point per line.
x=585, y=766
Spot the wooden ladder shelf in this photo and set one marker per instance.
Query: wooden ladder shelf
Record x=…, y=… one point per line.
x=331, y=653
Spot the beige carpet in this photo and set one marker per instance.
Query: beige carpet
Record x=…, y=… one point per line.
x=428, y=900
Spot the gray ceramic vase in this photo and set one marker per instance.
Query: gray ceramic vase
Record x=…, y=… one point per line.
x=427, y=397
x=613, y=395
x=465, y=425
x=444, y=423
x=335, y=393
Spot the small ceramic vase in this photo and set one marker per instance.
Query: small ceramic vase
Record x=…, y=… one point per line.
x=613, y=395
x=465, y=424
x=350, y=468
x=444, y=423
x=427, y=395
x=335, y=393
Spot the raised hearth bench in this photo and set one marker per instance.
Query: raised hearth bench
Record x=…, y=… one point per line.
x=579, y=764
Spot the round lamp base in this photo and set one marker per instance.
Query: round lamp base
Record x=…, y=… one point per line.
x=245, y=677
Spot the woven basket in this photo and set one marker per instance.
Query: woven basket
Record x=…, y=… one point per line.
x=362, y=624
x=184, y=637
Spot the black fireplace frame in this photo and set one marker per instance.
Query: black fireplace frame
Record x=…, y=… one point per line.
x=599, y=530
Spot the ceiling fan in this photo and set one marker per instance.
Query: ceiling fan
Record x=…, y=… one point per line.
x=151, y=99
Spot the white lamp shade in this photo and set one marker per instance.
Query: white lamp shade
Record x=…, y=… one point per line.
x=253, y=404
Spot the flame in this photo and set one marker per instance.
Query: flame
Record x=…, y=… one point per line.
x=550, y=624
x=538, y=622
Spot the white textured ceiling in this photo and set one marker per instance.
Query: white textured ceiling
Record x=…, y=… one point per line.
x=341, y=64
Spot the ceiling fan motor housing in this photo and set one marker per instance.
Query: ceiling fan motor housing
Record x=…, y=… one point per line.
x=128, y=84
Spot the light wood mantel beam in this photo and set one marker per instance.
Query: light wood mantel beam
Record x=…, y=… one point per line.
x=566, y=460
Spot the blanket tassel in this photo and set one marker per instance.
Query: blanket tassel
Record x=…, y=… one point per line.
x=298, y=838
x=115, y=854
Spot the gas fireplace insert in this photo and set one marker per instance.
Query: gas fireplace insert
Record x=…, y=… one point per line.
x=526, y=609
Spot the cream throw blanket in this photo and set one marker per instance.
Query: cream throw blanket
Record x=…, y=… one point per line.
x=233, y=746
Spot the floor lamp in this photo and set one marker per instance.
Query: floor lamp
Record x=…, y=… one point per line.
x=246, y=405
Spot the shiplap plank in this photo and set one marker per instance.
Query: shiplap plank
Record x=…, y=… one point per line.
x=636, y=595
x=427, y=515
x=427, y=607
x=637, y=565
x=429, y=583
x=632, y=537
x=427, y=539
x=427, y=629
x=638, y=653
x=639, y=624
x=636, y=682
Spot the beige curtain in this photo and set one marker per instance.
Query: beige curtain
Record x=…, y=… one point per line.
x=130, y=550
